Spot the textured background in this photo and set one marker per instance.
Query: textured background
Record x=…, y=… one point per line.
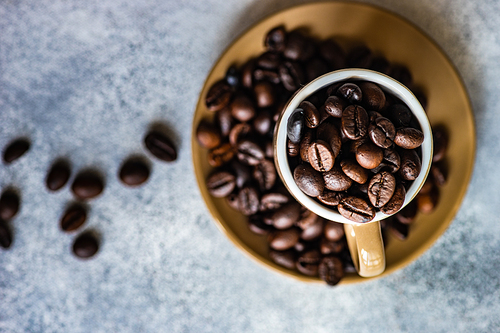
x=85, y=80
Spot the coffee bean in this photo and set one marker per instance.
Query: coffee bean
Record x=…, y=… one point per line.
x=265, y=174
x=269, y=149
x=408, y=213
x=332, y=53
x=334, y=231
x=276, y=39
x=329, y=133
x=242, y=108
x=355, y=122
x=270, y=75
x=218, y=96
x=440, y=137
x=239, y=132
x=381, y=188
x=409, y=138
x=9, y=205
x=330, y=198
x=262, y=122
x=85, y=246
x=311, y=114
x=272, y=201
x=87, y=185
x=208, y=135
x=247, y=71
x=248, y=200
x=233, y=76
x=225, y=121
x=220, y=184
x=58, y=175
x=221, y=155
x=410, y=164
x=5, y=235
x=308, y=262
x=308, y=180
x=360, y=57
x=382, y=132
x=286, y=216
x=160, y=146
x=284, y=239
x=291, y=75
x=350, y=92
x=331, y=270
x=15, y=150
x=268, y=60
x=373, y=96
x=354, y=171
x=391, y=161
x=312, y=231
x=356, y=209
x=396, y=202
x=298, y=46
x=427, y=202
x=258, y=227
x=283, y=258
x=369, y=156
x=400, y=115
x=134, y=172
x=249, y=152
x=293, y=149
x=374, y=115
x=334, y=106
x=336, y=180
x=329, y=247
x=73, y=218
x=296, y=125
x=264, y=94
x=438, y=174
x=320, y=156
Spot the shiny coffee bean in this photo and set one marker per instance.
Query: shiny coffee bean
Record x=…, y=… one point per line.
x=239, y=132
x=15, y=150
x=242, y=173
x=218, y=96
x=224, y=121
x=286, y=216
x=272, y=201
x=309, y=180
x=350, y=92
x=438, y=174
x=283, y=258
x=305, y=143
x=330, y=198
x=160, y=146
x=5, y=235
x=307, y=219
x=329, y=133
x=208, y=135
x=369, y=156
x=391, y=161
x=85, y=246
x=242, y=108
x=410, y=164
x=73, y=218
x=265, y=174
x=9, y=205
x=332, y=53
x=268, y=60
x=382, y=132
x=373, y=96
x=298, y=46
x=233, y=76
x=308, y=262
x=409, y=138
x=58, y=175
x=360, y=57
x=220, y=184
x=356, y=209
x=313, y=231
x=296, y=125
x=284, y=239
x=427, y=202
x=331, y=270
x=247, y=71
x=320, y=156
x=328, y=247
x=291, y=75
x=269, y=149
x=311, y=114
x=334, y=106
x=293, y=149
x=257, y=226
x=87, y=185
x=221, y=155
x=440, y=138
x=269, y=75
x=134, y=172
x=334, y=231
x=381, y=188
x=373, y=115
x=354, y=171
x=408, y=213
x=249, y=152
x=275, y=39
x=248, y=200
x=264, y=94
x=336, y=179
x=355, y=122
x=396, y=202
x=400, y=115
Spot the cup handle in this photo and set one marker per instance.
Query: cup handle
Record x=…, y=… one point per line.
x=367, y=248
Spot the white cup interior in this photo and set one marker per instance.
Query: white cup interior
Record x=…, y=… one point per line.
x=389, y=85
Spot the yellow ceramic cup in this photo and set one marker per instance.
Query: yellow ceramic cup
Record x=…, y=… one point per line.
x=364, y=239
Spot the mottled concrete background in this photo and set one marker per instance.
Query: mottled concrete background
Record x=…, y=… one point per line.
x=85, y=79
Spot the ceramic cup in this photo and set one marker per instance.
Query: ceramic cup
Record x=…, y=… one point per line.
x=364, y=239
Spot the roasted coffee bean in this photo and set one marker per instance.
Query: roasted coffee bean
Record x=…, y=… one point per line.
x=134, y=172
x=396, y=202
x=247, y=71
x=5, y=235
x=428, y=186
x=334, y=231
x=331, y=198
x=373, y=96
x=218, y=96
x=293, y=149
x=73, y=218
x=360, y=57
x=265, y=174
x=284, y=239
x=296, y=125
x=313, y=231
x=242, y=108
x=355, y=122
x=225, y=121
x=354, y=145
x=270, y=75
x=331, y=270
x=283, y=258
x=399, y=230
x=401, y=74
x=291, y=75
x=307, y=219
x=272, y=201
x=354, y=171
x=329, y=133
x=264, y=94
x=315, y=67
x=438, y=174
x=275, y=40
x=249, y=152
x=232, y=201
x=9, y=205
x=391, y=161
x=87, y=185
x=298, y=46
x=242, y=173
x=381, y=188
x=410, y=164
x=160, y=146
x=320, y=156
x=15, y=150
x=334, y=106
x=332, y=53
x=269, y=149
x=368, y=155
x=233, y=76
x=85, y=246
x=268, y=60
x=409, y=138
x=248, y=200
x=350, y=92
x=336, y=179
x=58, y=175
x=329, y=247
x=305, y=143
x=221, y=155
x=220, y=184
x=208, y=135
x=440, y=137
x=400, y=115
x=380, y=64
x=374, y=115
x=238, y=133
x=308, y=262
x=311, y=114
x=257, y=226
x=309, y=180
x=286, y=216
x=408, y=213
x=356, y=209
x=382, y=132
x=427, y=202
x=262, y=123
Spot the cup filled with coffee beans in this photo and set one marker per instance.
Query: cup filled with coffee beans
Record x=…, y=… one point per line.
x=354, y=146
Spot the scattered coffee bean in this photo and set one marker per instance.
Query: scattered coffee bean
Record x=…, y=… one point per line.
x=73, y=218
x=409, y=138
x=208, y=135
x=9, y=205
x=242, y=108
x=15, y=150
x=160, y=146
x=249, y=152
x=5, y=235
x=334, y=231
x=221, y=155
x=331, y=270
x=58, y=175
x=286, y=216
x=284, y=239
x=248, y=200
x=221, y=184
x=87, y=185
x=134, y=172
x=283, y=258
x=218, y=96
x=427, y=202
x=85, y=246
x=308, y=262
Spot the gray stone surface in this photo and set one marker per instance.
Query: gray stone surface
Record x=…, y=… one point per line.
x=85, y=79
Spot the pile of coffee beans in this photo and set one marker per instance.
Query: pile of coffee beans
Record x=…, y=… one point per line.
x=355, y=160
x=244, y=107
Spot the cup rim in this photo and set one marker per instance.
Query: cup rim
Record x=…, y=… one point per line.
x=387, y=84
